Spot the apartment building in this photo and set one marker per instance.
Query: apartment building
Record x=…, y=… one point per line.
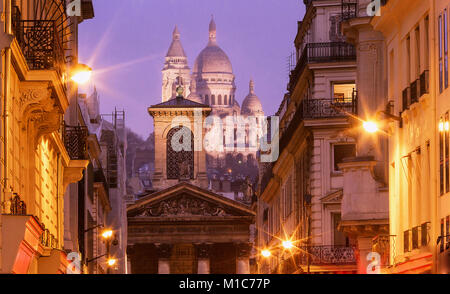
x=300, y=195
x=38, y=43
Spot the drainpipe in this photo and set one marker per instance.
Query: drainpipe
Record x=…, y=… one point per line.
x=6, y=96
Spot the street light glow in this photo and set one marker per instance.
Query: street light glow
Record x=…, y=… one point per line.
x=81, y=74
x=266, y=253
x=112, y=261
x=370, y=126
x=107, y=234
x=287, y=244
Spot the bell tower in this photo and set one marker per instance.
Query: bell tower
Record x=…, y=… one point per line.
x=176, y=71
x=178, y=127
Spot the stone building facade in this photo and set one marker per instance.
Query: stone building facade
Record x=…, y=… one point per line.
x=307, y=195
x=38, y=160
x=183, y=227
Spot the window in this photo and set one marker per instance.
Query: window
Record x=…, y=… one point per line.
x=342, y=151
x=446, y=143
x=417, y=51
x=219, y=100
x=225, y=100
x=207, y=99
x=180, y=163
x=287, y=198
x=427, y=39
x=408, y=61
x=343, y=92
x=441, y=156
x=447, y=226
x=445, y=33
x=213, y=100
x=339, y=238
x=441, y=88
x=442, y=236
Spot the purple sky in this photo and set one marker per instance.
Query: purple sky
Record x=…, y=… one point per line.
x=126, y=42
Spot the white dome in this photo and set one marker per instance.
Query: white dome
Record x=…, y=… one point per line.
x=251, y=104
x=212, y=59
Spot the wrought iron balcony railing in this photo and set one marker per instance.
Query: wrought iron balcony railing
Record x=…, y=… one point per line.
x=416, y=89
x=348, y=9
x=17, y=206
x=329, y=108
x=381, y=245
x=327, y=255
x=47, y=239
x=40, y=41
x=75, y=141
x=320, y=53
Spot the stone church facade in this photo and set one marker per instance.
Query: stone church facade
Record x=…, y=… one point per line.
x=182, y=226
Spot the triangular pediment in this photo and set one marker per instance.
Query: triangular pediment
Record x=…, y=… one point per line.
x=186, y=200
x=333, y=197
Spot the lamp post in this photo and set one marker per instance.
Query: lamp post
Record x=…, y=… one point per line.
x=107, y=236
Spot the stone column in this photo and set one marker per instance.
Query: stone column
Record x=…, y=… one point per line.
x=243, y=258
x=164, y=251
x=203, y=260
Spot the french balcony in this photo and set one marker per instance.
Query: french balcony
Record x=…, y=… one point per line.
x=321, y=53
x=327, y=255
x=416, y=237
x=381, y=245
x=329, y=108
x=75, y=138
x=415, y=90
x=348, y=9
x=41, y=42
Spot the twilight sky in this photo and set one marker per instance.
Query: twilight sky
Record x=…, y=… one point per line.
x=127, y=41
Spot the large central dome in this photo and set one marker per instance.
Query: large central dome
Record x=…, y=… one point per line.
x=212, y=59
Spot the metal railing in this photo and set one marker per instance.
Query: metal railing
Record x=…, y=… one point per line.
x=47, y=239
x=40, y=42
x=381, y=245
x=75, y=141
x=327, y=255
x=329, y=108
x=321, y=52
x=348, y=9
x=18, y=206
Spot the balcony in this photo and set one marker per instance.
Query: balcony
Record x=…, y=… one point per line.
x=17, y=206
x=329, y=108
x=327, y=255
x=75, y=141
x=416, y=89
x=321, y=53
x=40, y=41
x=381, y=245
x=348, y=9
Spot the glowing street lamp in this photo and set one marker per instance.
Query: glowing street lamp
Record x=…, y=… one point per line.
x=370, y=126
x=107, y=234
x=81, y=74
x=266, y=253
x=111, y=261
x=287, y=244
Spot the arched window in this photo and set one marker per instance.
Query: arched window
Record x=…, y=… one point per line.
x=206, y=99
x=225, y=100
x=180, y=164
x=219, y=100
x=213, y=100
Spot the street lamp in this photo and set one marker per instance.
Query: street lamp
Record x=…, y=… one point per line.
x=112, y=261
x=107, y=235
x=287, y=244
x=81, y=74
x=266, y=253
x=370, y=126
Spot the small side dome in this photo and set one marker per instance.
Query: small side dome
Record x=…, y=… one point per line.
x=193, y=96
x=251, y=104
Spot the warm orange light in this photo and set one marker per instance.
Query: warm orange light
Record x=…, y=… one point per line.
x=441, y=126
x=107, y=234
x=82, y=74
x=266, y=253
x=370, y=126
x=287, y=244
x=112, y=261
